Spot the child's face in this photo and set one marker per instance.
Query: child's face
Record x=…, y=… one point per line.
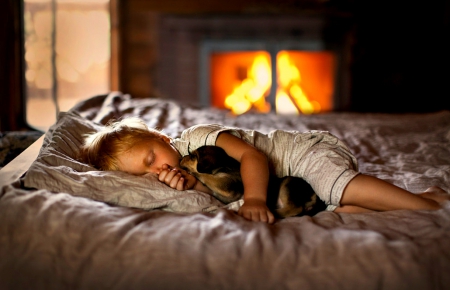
x=149, y=156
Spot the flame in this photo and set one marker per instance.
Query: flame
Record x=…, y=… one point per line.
x=290, y=97
x=253, y=90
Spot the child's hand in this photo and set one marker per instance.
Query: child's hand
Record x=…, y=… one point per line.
x=256, y=210
x=176, y=178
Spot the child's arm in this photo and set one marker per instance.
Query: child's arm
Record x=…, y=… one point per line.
x=255, y=176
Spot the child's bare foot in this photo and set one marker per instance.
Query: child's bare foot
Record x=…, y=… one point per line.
x=436, y=193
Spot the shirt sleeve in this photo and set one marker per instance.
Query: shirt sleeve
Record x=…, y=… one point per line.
x=205, y=134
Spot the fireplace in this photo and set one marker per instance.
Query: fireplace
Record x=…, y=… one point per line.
x=253, y=63
x=289, y=78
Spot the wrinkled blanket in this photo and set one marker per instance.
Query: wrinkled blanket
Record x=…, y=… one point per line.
x=68, y=239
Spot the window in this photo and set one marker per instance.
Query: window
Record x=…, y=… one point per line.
x=67, y=55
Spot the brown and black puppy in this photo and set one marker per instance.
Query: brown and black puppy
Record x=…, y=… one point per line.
x=287, y=196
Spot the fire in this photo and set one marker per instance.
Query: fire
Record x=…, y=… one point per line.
x=251, y=93
x=290, y=97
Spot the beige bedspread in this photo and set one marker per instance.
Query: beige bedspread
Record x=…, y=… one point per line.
x=55, y=239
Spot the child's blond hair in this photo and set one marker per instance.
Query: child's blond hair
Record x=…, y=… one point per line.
x=102, y=148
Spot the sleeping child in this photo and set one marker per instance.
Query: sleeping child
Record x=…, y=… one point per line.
x=318, y=157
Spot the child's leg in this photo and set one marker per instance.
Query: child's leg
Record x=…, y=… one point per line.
x=369, y=192
x=351, y=209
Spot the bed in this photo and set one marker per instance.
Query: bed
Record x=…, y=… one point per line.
x=64, y=225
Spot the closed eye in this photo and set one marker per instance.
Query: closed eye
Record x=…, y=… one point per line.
x=150, y=159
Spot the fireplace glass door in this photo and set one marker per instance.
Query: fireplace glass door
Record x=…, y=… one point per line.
x=283, y=81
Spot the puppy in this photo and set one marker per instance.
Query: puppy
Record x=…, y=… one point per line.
x=287, y=196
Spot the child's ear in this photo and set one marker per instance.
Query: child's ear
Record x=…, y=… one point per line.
x=166, y=138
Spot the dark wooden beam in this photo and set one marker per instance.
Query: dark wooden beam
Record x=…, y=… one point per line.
x=12, y=109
